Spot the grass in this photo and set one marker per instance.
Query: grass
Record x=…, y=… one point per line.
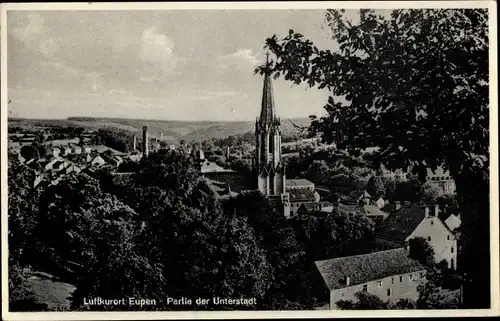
x=49, y=290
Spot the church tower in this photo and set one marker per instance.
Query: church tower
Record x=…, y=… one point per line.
x=267, y=163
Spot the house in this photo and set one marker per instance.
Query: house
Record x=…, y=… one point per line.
x=299, y=196
x=390, y=275
x=55, y=151
x=305, y=209
x=398, y=175
x=72, y=168
x=66, y=150
x=453, y=221
x=359, y=196
x=97, y=161
x=292, y=184
x=441, y=179
x=87, y=149
x=349, y=208
x=58, y=165
x=414, y=221
x=49, y=165
x=77, y=149
x=20, y=158
x=380, y=202
x=374, y=213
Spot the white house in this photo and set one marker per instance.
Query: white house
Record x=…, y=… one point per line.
x=414, y=221
x=390, y=275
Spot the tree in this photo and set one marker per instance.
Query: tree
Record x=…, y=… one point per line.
x=318, y=172
x=29, y=152
x=397, y=83
x=365, y=301
x=421, y=251
x=375, y=187
x=431, y=193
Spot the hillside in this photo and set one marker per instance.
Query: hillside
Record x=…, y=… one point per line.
x=172, y=130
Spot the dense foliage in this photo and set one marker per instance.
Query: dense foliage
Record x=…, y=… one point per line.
x=415, y=84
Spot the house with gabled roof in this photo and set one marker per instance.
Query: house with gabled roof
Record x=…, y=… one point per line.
x=390, y=275
x=416, y=221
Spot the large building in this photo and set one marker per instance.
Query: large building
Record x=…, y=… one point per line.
x=268, y=165
x=390, y=275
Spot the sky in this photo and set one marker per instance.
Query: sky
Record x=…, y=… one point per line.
x=164, y=65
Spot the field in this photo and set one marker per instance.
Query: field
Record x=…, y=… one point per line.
x=172, y=130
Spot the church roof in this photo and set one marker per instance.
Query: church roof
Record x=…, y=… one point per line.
x=298, y=182
x=301, y=195
x=267, y=112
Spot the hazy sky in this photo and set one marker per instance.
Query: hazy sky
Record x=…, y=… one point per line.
x=183, y=65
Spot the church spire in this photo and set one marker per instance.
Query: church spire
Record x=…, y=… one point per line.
x=267, y=112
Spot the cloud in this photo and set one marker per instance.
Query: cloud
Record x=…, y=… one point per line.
x=208, y=95
x=242, y=58
x=157, y=50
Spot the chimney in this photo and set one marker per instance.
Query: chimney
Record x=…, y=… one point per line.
x=397, y=205
x=426, y=212
x=135, y=143
x=347, y=281
x=145, y=141
x=436, y=210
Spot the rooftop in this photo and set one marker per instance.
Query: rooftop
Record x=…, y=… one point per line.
x=366, y=267
x=400, y=224
x=301, y=195
x=298, y=182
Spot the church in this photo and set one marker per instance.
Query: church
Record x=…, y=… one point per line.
x=291, y=196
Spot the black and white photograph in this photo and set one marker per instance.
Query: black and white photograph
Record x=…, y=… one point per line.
x=215, y=158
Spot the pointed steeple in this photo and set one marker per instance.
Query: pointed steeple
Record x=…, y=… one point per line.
x=267, y=113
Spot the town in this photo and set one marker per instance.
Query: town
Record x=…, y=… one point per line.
x=385, y=270
x=342, y=167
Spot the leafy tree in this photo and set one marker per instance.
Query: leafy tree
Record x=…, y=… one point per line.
x=365, y=301
x=431, y=193
x=375, y=187
x=421, y=251
x=318, y=172
x=30, y=152
x=401, y=79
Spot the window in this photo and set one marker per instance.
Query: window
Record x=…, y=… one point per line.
x=448, y=237
x=428, y=238
x=401, y=279
x=365, y=287
x=410, y=276
x=432, y=222
x=422, y=274
x=392, y=280
x=452, y=250
x=388, y=292
x=379, y=283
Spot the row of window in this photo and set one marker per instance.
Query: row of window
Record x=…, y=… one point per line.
x=439, y=178
x=393, y=280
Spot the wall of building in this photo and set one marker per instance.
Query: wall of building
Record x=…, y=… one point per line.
x=400, y=286
x=440, y=238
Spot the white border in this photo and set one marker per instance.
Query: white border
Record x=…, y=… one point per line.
x=494, y=221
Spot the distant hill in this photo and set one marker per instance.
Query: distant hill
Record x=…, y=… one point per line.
x=172, y=130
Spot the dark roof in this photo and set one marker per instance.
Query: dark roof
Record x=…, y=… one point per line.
x=267, y=112
x=400, y=224
x=359, y=193
x=366, y=267
x=298, y=182
x=301, y=195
